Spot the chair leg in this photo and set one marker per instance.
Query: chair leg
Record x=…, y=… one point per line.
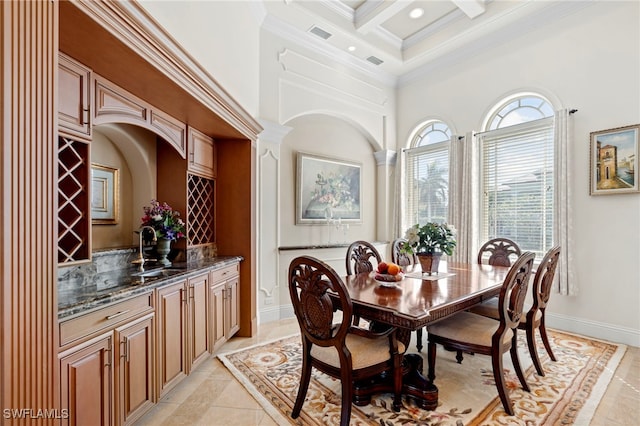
x=419, y=339
x=305, y=377
x=459, y=356
x=545, y=339
x=498, y=376
x=531, y=342
x=397, y=382
x=431, y=357
x=347, y=399
x=516, y=363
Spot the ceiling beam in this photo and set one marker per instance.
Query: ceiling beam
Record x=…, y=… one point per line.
x=373, y=13
x=471, y=8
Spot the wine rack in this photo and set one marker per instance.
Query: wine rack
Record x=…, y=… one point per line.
x=74, y=225
x=200, y=210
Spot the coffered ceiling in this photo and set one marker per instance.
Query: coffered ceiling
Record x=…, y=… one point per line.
x=382, y=37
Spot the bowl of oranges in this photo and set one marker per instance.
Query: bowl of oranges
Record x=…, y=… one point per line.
x=388, y=274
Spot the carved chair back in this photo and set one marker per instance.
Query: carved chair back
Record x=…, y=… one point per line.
x=513, y=293
x=544, y=279
x=309, y=281
x=399, y=257
x=498, y=251
x=359, y=256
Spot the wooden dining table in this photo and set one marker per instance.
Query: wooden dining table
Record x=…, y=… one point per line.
x=414, y=302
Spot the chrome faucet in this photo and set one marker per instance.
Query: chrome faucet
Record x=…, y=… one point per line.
x=141, y=260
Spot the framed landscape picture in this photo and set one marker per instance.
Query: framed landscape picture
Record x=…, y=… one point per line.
x=327, y=188
x=104, y=195
x=614, y=161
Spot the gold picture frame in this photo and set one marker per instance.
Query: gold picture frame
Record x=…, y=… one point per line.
x=614, y=161
x=104, y=195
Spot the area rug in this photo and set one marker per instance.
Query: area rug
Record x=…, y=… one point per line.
x=568, y=394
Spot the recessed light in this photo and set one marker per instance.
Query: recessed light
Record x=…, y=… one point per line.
x=351, y=48
x=416, y=13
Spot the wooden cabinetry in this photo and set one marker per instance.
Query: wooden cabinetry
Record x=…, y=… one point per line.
x=202, y=154
x=183, y=337
x=197, y=288
x=86, y=382
x=224, y=304
x=170, y=311
x=134, y=369
x=107, y=364
x=74, y=98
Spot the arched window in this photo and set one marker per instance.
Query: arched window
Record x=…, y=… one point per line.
x=427, y=174
x=517, y=173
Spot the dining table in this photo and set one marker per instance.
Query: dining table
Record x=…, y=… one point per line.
x=413, y=302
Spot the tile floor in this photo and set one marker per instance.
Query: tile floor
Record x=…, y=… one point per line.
x=211, y=396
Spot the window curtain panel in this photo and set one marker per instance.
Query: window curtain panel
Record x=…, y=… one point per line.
x=399, y=190
x=566, y=283
x=463, y=188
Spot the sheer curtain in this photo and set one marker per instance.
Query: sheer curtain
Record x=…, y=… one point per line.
x=463, y=189
x=565, y=276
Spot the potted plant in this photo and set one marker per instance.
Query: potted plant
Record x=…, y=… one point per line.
x=429, y=242
x=166, y=223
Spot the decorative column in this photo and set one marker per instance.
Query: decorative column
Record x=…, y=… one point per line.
x=29, y=372
x=269, y=142
x=386, y=182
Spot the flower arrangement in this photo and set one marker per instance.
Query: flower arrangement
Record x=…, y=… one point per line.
x=430, y=238
x=164, y=220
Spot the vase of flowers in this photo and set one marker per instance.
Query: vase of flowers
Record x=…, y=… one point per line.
x=167, y=225
x=429, y=242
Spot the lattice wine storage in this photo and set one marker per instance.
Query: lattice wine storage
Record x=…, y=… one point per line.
x=200, y=211
x=73, y=200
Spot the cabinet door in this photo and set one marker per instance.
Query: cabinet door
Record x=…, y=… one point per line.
x=134, y=355
x=202, y=153
x=74, y=83
x=232, y=307
x=171, y=315
x=198, y=334
x=86, y=382
x=216, y=314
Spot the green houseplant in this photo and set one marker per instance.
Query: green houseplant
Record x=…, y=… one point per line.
x=429, y=242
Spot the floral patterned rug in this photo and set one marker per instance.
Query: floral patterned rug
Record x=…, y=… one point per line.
x=568, y=394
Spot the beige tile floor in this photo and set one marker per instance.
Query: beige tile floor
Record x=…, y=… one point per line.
x=211, y=396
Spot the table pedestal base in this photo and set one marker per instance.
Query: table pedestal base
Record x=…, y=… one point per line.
x=414, y=385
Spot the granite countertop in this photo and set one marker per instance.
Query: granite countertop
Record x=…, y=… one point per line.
x=82, y=293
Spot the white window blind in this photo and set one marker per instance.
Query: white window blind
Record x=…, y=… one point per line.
x=427, y=184
x=517, y=169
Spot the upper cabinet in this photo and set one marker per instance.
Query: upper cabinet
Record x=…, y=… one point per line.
x=202, y=154
x=74, y=99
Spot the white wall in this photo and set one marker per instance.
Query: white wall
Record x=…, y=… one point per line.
x=589, y=61
x=222, y=36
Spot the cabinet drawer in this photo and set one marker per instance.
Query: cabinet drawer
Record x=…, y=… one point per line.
x=104, y=318
x=224, y=273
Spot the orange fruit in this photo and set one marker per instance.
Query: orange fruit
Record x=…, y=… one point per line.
x=393, y=269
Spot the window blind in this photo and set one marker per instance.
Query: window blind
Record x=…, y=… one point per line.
x=517, y=186
x=427, y=184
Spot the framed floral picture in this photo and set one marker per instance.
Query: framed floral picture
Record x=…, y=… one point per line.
x=614, y=161
x=327, y=189
x=104, y=195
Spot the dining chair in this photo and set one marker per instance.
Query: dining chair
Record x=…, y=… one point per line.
x=535, y=318
x=330, y=342
x=467, y=331
x=359, y=255
x=400, y=257
x=497, y=252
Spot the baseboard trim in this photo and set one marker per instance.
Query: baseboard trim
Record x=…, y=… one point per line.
x=595, y=329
